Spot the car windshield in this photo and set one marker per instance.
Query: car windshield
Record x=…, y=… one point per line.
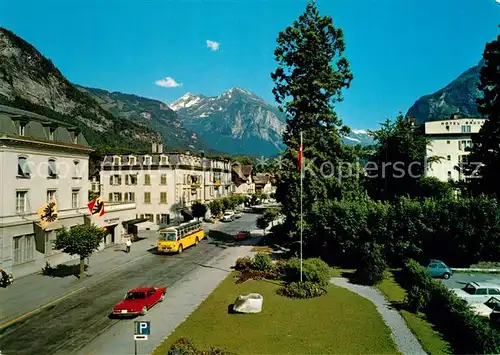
x=168, y=236
x=135, y=296
x=471, y=290
x=494, y=304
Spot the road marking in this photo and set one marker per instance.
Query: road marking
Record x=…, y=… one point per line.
x=36, y=310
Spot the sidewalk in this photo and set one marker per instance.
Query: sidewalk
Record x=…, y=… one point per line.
x=35, y=290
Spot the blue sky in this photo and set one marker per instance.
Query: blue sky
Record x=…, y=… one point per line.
x=399, y=50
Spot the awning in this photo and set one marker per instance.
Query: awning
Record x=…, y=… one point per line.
x=135, y=221
x=147, y=225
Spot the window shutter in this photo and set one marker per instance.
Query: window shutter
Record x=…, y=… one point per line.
x=127, y=180
x=119, y=179
x=132, y=197
x=110, y=197
x=158, y=219
x=111, y=180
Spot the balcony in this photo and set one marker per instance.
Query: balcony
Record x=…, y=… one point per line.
x=195, y=185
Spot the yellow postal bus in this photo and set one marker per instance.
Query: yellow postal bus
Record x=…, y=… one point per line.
x=176, y=239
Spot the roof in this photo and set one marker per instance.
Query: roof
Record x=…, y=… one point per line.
x=243, y=171
x=141, y=289
x=262, y=179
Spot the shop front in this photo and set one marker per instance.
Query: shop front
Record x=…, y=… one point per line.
x=111, y=222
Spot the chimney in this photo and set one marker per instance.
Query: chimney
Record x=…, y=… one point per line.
x=160, y=148
x=153, y=148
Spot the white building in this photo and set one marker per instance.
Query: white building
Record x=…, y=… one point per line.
x=162, y=184
x=42, y=160
x=448, y=141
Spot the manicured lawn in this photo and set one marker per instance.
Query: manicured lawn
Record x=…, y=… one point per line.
x=340, y=322
x=431, y=340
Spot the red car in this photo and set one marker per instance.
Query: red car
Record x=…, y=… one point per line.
x=242, y=235
x=139, y=300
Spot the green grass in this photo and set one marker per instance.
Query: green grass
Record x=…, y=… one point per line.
x=486, y=265
x=431, y=340
x=340, y=322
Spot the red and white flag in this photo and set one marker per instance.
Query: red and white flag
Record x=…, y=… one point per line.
x=300, y=156
x=96, y=206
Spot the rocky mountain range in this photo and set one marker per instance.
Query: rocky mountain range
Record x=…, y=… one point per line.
x=459, y=97
x=234, y=122
x=30, y=81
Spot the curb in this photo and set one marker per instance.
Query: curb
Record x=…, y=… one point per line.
x=475, y=269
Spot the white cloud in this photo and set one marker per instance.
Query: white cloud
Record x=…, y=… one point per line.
x=168, y=82
x=214, y=46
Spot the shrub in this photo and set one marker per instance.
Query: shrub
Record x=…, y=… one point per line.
x=371, y=266
x=305, y=289
x=467, y=333
x=262, y=262
x=314, y=270
x=184, y=346
x=256, y=275
x=416, y=299
x=244, y=263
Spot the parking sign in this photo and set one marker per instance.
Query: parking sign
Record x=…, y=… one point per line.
x=142, y=330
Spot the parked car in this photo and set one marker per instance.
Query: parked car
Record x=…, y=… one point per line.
x=242, y=235
x=439, y=269
x=227, y=217
x=139, y=300
x=475, y=292
x=489, y=309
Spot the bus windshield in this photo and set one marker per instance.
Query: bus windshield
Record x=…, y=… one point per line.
x=168, y=236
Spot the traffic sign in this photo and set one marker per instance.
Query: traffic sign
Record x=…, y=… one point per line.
x=142, y=328
x=140, y=337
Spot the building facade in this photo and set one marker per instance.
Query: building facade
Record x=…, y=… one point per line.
x=41, y=160
x=242, y=179
x=449, y=141
x=162, y=184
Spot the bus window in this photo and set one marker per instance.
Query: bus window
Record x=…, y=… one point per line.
x=168, y=236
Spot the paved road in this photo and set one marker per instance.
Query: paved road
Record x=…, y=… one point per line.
x=66, y=326
x=458, y=280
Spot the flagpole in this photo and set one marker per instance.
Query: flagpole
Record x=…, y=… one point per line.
x=301, y=186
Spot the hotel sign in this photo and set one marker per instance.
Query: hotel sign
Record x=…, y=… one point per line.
x=111, y=220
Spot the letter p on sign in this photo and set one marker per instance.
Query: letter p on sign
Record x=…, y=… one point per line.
x=143, y=327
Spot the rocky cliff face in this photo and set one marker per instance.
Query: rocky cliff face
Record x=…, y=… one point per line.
x=30, y=81
x=236, y=121
x=459, y=97
x=152, y=113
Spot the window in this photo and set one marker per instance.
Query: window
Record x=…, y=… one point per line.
x=147, y=179
x=116, y=160
x=448, y=157
x=447, y=142
x=21, y=129
x=164, y=160
x=76, y=169
x=482, y=291
x=469, y=144
x=163, y=197
x=75, y=198
x=115, y=180
x=147, y=160
x=129, y=197
x=147, y=197
x=164, y=218
x=449, y=174
x=21, y=201
x=131, y=179
x=132, y=160
x=163, y=179
x=52, y=168
x=149, y=216
x=51, y=133
x=115, y=197
x=23, y=248
x=466, y=129
x=51, y=195
x=22, y=167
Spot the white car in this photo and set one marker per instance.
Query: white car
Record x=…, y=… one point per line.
x=227, y=217
x=487, y=308
x=238, y=214
x=475, y=292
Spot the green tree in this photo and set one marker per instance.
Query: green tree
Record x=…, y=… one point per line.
x=199, y=209
x=80, y=240
x=309, y=79
x=215, y=207
x=399, y=160
x=270, y=214
x=485, y=153
x=262, y=223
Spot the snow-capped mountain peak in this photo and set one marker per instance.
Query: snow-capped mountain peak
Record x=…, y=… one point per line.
x=185, y=101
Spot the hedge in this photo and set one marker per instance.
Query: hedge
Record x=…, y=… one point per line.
x=459, y=231
x=466, y=332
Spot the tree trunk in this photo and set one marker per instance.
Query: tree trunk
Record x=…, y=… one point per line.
x=82, y=267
